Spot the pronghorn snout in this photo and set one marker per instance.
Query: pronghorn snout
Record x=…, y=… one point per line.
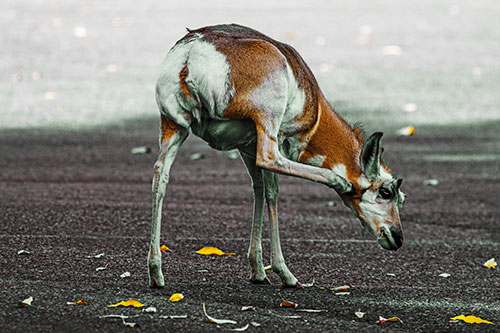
x=390, y=238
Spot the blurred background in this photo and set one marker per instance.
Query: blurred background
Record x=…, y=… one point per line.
x=79, y=64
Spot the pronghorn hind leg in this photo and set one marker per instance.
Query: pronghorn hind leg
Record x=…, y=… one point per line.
x=171, y=138
x=277, y=261
x=258, y=274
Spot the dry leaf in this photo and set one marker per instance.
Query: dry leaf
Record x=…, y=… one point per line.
x=26, y=302
x=406, y=131
x=472, y=320
x=267, y=267
x=287, y=304
x=150, y=309
x=125, y=275
x=196, y=156
x=97, y=256
x=248, y=308
x=382, y=320
x=77, y=302
x=307, y=285
x=102, y=268
x=134, y=303
x=240, y=329
x=217, y=321
x=359, y=314
x=343, y=293
x=163, y=248
x=140, y=150
x=432, y=182
x=491, y=263
x=176, y=297
x=445, y=275
x=341, y=288
x=311, y=310
x=210, y=250
x=255, y=324
x=174, y=316
x=23, y=251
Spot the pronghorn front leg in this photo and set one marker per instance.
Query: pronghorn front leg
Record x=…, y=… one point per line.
x=277, y=261
x=171, y=138
x=270, y=158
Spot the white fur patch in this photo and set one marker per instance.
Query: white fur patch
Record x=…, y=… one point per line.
x=340, y=170
x=316, y=161
x=296, y=99
x=373, y=212
x=384, y=175
x=363, y=182
x=208, y=80
x=271, y=96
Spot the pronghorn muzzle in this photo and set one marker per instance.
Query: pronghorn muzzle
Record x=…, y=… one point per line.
x=390, y=238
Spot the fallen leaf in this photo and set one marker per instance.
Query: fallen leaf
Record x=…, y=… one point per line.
x=343, y=293
x=390, y=274
x=97, y=256
x=217, y=321
x=140, y=150
x=472, y=320
x=240, y=329
x=287, y=304
x=359, y=314
x=210, y=250
x=445, y=275
x=491, y=263
x=406, y=131
x=134, y=303
x=432, y=182
x=102, y=268
x=23, y=251
x=163, y=248
x=255, y=324
x=26, y=302
x=248, y=308
x=196, y=156
x=285, y=317
x=184, y=316
x=267, y=267
x=176, y=297
x=150, y=309
x=308, y=285
x=77, y=302
x=341, y=288
x=311, y=310
x=125, y=275
x=382, y=320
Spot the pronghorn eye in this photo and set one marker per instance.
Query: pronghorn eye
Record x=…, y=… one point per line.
x=384, y=193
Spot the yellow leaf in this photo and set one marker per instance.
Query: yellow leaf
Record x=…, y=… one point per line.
x=491, y=263
x=210, y=250
x=134, y=303
x=287, y=304
x=77, y=302
x=163, y=248
x=176, y=297
x=472, y=320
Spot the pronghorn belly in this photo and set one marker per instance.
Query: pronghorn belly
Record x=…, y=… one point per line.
x=225, y=134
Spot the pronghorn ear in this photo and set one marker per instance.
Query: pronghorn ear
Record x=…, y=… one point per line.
x=370, y=156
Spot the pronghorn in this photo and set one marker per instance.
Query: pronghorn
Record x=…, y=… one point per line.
x=238, y=89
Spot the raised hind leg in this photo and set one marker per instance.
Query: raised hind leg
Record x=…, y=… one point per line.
x=277, y=261
x=171, y=138
x=257, y=274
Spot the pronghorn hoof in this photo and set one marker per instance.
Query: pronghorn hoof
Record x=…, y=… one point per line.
x=295, y=286
x=156, y=283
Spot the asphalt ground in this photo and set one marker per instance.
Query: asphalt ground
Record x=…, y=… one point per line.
x=71, y=194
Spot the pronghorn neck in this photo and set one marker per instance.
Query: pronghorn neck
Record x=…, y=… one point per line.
x=333, y=144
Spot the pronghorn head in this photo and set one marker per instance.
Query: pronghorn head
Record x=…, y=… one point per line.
x=376, y=198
